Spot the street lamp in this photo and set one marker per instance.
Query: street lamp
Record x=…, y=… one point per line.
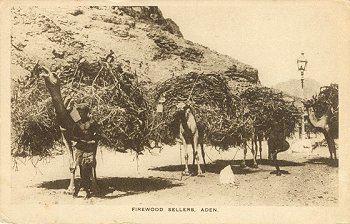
x=302, y=62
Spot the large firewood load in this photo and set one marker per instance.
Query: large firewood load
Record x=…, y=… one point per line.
x=268, y=106
x=226, y=117
x=219, y=113
x=327, y=103
x=116, y=100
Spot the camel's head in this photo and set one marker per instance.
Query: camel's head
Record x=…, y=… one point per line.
x=183, y=109
x=310, y=103
x=187, y=110
x=180, y=106
x=310, y=109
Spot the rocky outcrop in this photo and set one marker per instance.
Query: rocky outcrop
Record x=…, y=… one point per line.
x=168, y=46
x=154, y=15
x=143, y=41
x=172, y=27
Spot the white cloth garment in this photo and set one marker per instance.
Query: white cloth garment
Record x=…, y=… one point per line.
x=227, y=176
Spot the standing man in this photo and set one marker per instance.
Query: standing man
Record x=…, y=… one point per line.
x=277, y=143
x=85, y=142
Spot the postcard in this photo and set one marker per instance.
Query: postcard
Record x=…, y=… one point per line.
x=174, y=111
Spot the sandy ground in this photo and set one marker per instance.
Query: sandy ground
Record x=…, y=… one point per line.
x=309, y=179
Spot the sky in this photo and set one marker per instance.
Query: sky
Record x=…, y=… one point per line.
x=270, y=35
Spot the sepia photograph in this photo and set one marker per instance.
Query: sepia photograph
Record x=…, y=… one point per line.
x=165, y=112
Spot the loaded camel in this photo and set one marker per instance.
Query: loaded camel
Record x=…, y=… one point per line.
x=189, y=135
x=70, y=130
x=322, y=124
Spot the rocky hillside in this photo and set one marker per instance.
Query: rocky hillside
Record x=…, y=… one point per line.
x=293, y=87
x=142, y=39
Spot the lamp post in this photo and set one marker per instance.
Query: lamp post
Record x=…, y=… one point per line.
x=302, y=62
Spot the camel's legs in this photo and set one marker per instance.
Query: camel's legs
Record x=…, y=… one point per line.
x=186, y=172
x=245, y=155
x=195, y=149
x=95, y=187
x=194, y=156
x=255, y=146
x=260, y=148
x=331, y=145
x=72, y=165
x=330, y=153
x=254, y=151
x=203, y=155
x=335, y=153
x=269, y=149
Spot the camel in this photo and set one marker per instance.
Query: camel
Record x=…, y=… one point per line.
x=322, y=125
x=189, y=135
x=69, y=128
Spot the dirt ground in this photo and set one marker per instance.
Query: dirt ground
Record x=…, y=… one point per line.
x=308, y=179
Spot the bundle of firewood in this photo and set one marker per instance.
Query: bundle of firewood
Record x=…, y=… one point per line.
x=220, y=114
x=116, y=99
x=33, y=122
x=327, y=103
x=268, y=106
x=226, y=117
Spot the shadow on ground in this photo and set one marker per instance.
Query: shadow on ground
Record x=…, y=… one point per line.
x=124, y=185
x=218, y=165
x=323, y=161
x=282, y=172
